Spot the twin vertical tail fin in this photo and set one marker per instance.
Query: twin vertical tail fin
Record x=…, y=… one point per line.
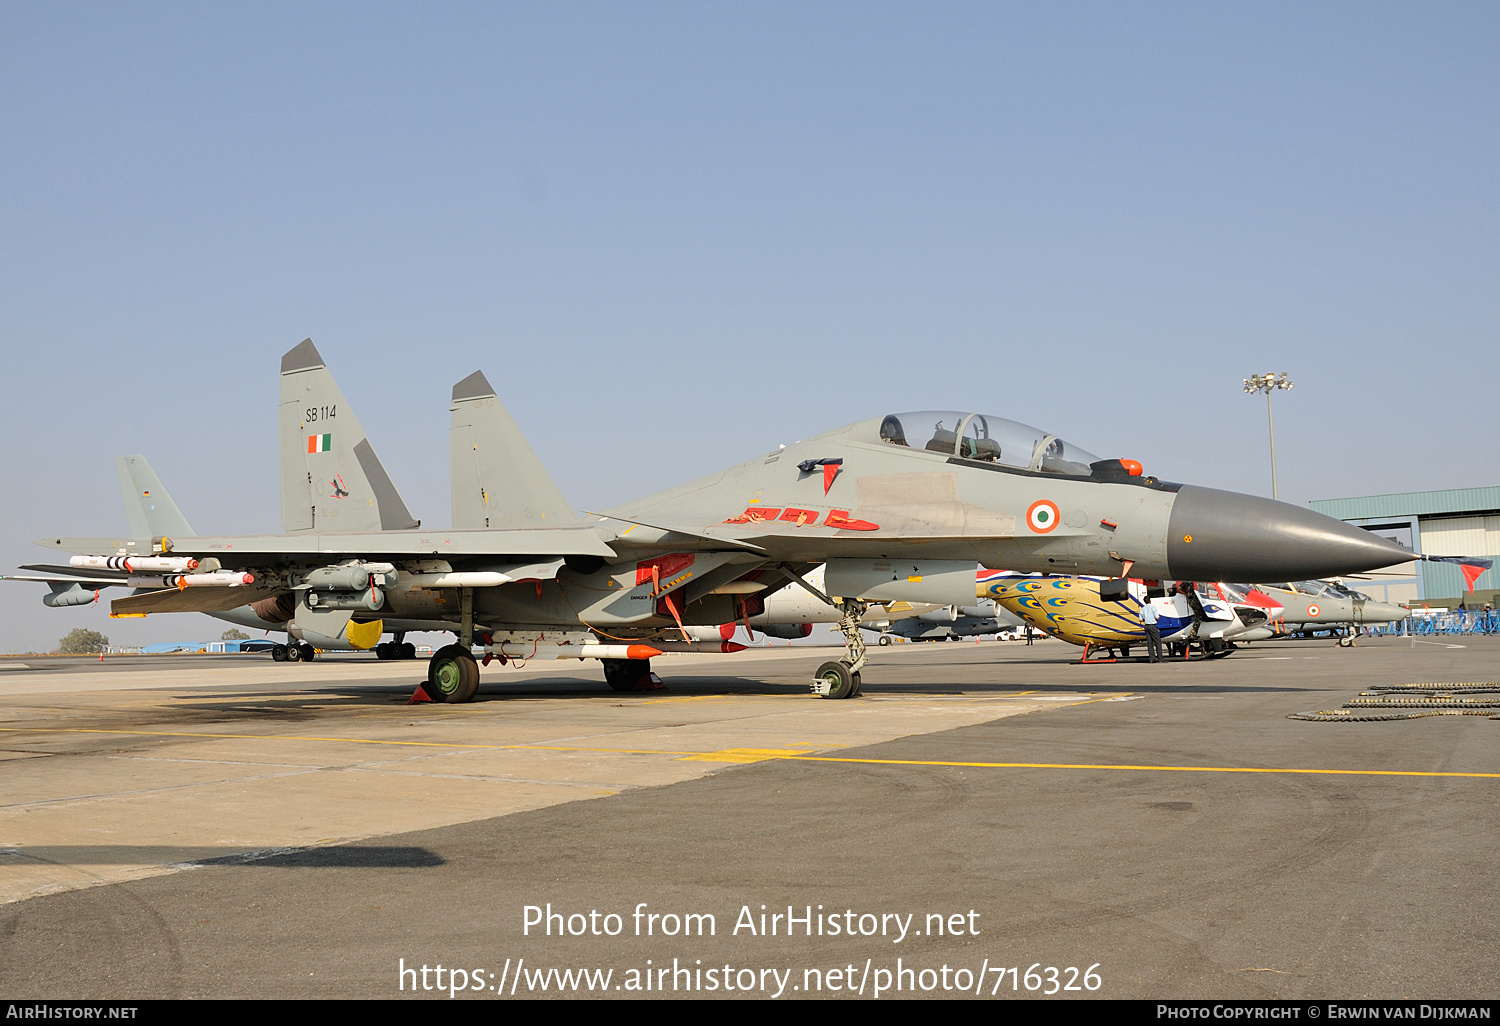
x=150, y=510
x=496, y=479
x=331, y=479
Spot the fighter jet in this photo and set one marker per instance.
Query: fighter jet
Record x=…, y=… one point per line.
x=1310, y=605
x=899, y=507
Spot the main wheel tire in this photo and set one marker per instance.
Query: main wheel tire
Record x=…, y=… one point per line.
x=278, y=653
x=452, y=675
x=308, y=652
x=885, y=639
x=858, y=684
x=406, y=650
x=840, y=680
x=625, y=674
x=382, y=651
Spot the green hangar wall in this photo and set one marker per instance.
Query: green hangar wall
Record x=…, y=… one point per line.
x=1452, y=522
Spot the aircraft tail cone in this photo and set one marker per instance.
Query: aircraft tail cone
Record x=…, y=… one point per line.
x=1225, y=536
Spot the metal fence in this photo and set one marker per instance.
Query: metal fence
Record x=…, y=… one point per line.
x=1456, y=622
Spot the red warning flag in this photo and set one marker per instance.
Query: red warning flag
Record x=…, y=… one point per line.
x=1471, y=574
x=1470, y=566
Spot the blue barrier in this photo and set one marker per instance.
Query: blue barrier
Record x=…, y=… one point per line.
x=1457, y=621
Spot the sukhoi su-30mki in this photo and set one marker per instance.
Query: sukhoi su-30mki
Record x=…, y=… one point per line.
x=898, y=508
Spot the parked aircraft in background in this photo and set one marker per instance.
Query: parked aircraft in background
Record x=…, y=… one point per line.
x=1316, y=605
x=978, y=619
x=1075, y=610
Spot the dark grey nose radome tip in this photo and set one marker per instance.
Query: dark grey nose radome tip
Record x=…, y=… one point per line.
x=1225, y=536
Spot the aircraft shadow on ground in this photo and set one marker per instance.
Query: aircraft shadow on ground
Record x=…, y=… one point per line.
x=307, y=704
x=337, y=857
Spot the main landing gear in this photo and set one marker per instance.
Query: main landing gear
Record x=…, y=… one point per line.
x=293, y=652
x=453, y=672
x=452, y=675
x=399, y=648
x=840, y=678
x=629, y=675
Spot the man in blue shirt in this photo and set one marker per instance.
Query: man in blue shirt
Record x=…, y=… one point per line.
x=1153, y=633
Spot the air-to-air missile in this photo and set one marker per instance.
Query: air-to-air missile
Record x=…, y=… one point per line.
x=136, y=564
x=217, y=579
x=543, y=650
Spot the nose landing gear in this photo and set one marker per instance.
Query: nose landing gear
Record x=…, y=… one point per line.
x=840, y=678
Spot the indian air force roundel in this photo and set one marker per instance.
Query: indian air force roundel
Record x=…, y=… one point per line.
x=1042, y=516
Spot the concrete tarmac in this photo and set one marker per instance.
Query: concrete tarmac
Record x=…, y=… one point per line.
x=1152, y=831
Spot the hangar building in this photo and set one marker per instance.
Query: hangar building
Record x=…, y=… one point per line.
x=1453, y=522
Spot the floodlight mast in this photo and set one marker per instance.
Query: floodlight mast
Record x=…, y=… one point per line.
x=1268, y=383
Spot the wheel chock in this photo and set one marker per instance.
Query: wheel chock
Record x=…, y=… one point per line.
x=1084, y=659
x=420, y=695
x=650, y=682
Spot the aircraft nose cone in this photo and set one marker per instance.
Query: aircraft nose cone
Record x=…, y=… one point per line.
x=1224, y=536
x=1382, y=612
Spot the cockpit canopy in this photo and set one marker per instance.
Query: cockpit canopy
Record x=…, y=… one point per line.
x=1331, y=589
x=986, y=439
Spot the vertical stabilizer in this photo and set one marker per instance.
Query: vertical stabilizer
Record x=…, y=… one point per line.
x=331, y=479
x=151, y=511
x=496, y=479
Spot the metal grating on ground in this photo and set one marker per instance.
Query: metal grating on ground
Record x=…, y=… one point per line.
x=1413, y=701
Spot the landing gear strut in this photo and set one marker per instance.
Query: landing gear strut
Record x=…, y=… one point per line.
x=840, y=678
x=453, y=672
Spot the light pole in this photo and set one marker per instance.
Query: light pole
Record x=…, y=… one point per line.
x=1268, y=383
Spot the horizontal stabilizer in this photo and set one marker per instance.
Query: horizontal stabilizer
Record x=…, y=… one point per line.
x=495, y=478
x=63, y=582
x=72, y=573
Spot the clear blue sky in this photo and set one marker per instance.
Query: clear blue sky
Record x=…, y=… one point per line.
x=675, y=235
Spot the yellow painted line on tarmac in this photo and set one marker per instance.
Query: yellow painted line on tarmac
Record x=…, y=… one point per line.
x=781, y=754
x=1158, y=769
x=742, y=755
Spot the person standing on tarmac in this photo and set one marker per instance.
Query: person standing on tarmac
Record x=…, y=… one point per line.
x=1153, y=633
